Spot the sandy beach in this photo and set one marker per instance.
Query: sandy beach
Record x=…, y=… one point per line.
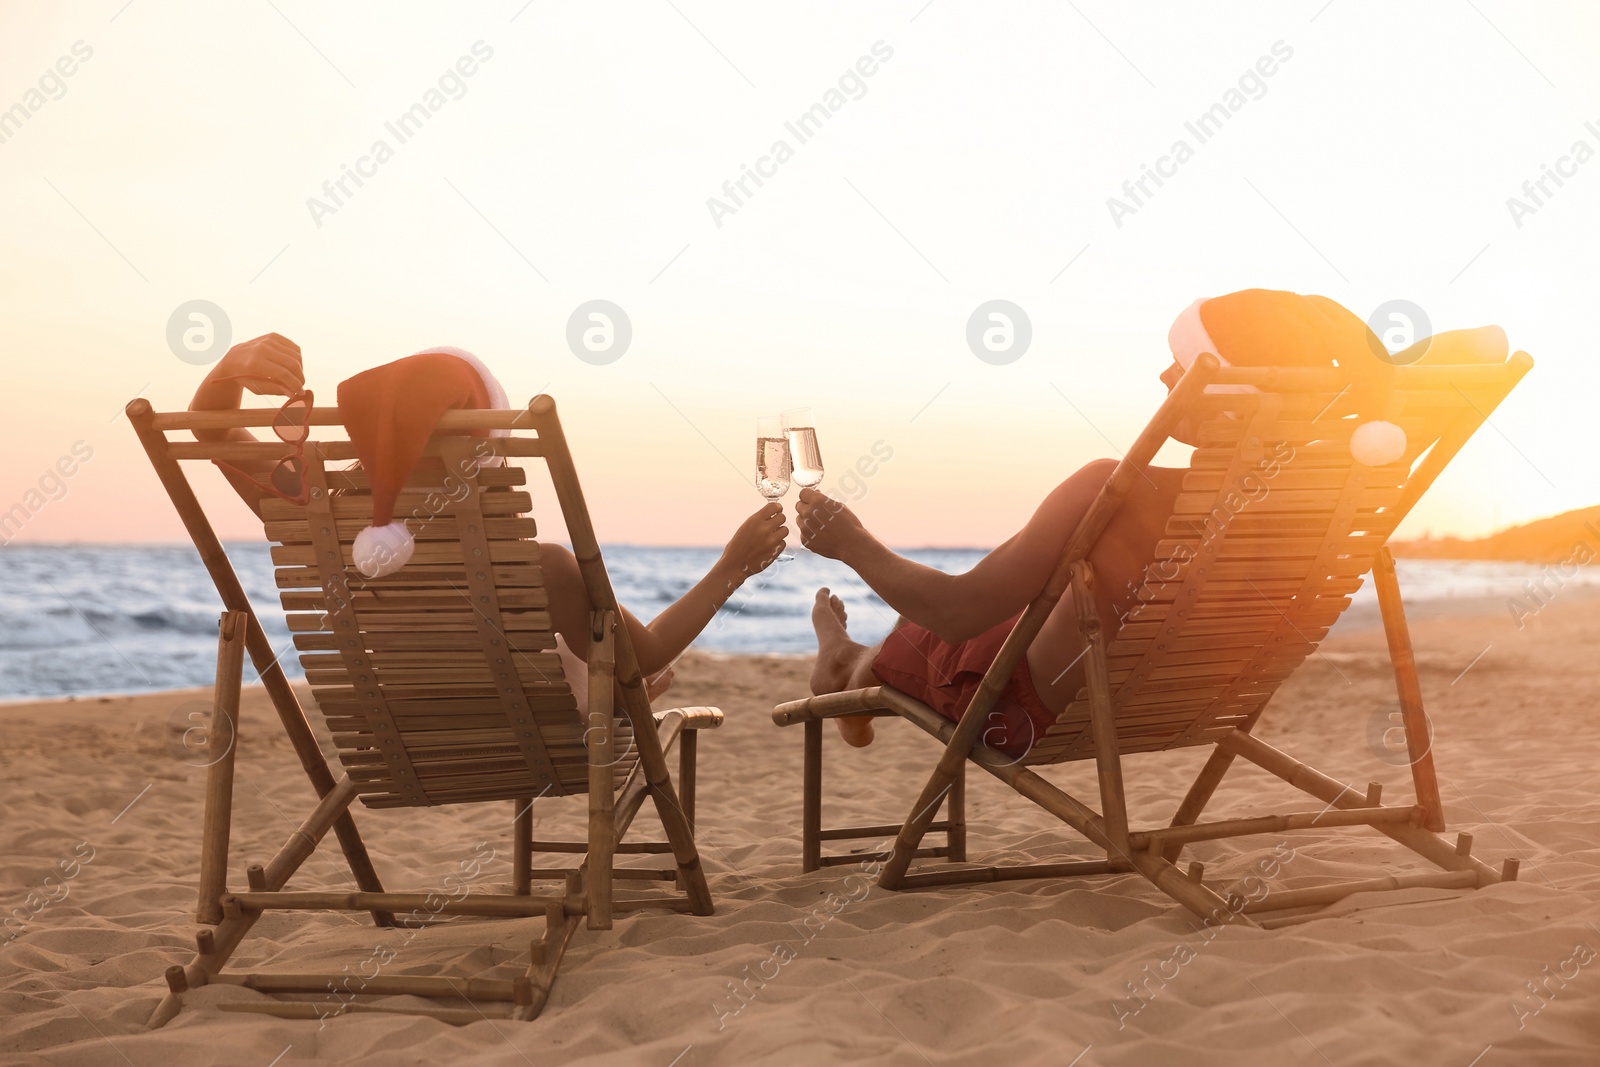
x=446, y=344
x=100, y=856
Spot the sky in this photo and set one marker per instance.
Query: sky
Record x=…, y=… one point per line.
x=970, y=154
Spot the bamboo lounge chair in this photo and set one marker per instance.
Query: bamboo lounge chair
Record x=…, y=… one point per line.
x=1236, y=597
x=439, y=686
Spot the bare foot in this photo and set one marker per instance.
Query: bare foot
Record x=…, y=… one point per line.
x=836, y=653
x=837, y=656
x=857, y=730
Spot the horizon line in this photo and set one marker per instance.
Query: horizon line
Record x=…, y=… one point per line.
x=613, y=544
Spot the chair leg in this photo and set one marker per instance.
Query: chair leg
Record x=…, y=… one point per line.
x=688, y=753
x=953, y=802
x=544, y=960
x=956, y=816
x=522, y=847
x=1102, y=718
x=1204, y=787
x=951, y=765
x=1197, y=897
x=600, y=740
x=652, y=752
x=651, y=779
x=1426, y=843
x=222, y=730
x=1419, y=742
x=215, y=947
x=680, y=833
x=1199, y=795
x=916, y=824
x=811, y=802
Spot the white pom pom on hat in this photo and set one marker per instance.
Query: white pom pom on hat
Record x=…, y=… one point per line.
x=389, y=413
x=381, y=550
x=1377, y=443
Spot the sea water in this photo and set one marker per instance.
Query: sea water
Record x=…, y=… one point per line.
x=81, y=620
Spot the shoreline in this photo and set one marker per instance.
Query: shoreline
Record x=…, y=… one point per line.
x=1361, y=624
x=1359, y=618
x=1365, y=614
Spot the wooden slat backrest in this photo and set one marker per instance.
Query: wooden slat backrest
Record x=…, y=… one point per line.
x=1273, y=528
x=440, y=682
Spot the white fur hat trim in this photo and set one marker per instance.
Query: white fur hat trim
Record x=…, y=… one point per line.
x=1188, y=338
x=381, y=550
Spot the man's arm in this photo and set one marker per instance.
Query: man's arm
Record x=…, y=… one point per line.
x=956, y=606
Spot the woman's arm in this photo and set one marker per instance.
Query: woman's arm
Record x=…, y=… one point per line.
x=753, y=547
x=274, y=363
x=751, y=550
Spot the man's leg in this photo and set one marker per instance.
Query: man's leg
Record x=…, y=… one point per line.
x=842, y=664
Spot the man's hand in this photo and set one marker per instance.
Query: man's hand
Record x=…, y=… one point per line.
x=757, y=542
x=272, y=362
x=827, y=527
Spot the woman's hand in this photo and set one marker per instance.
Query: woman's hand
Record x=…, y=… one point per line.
x=756, y=543
x=827, y=526
x=272, y=366
x=751, y=549
x=271, y=363
x=658, y=683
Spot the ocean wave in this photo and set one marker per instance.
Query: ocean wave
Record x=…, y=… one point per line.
x=43, y=629
x=89, y=619
x=176, y=620
x=70, y=625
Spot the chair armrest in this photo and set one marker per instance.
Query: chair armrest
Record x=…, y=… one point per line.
x=831, y=705
x=694, y=718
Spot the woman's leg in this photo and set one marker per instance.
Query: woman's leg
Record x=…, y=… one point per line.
x=842, y=664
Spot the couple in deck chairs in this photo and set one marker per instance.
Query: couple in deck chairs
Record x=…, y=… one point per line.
x=951, y=625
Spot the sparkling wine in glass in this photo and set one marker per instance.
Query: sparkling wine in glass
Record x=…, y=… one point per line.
x=773, y=465
x=801, y=432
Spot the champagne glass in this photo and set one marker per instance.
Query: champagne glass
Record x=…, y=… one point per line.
x=773, y=464
x=800, y=430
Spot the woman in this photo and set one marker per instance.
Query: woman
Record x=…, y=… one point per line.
x=271, y=365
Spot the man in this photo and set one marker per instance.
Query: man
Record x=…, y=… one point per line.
x=952, y=625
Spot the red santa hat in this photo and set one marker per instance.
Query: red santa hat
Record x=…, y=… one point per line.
x=389, y=413
x=1266, y=327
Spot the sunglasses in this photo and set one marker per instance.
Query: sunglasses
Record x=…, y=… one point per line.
x=292, y=424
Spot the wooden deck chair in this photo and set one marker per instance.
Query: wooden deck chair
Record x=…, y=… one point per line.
x=440, y=685
x=1255, y=568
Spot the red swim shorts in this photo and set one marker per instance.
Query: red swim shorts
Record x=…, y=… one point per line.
x=945, y=677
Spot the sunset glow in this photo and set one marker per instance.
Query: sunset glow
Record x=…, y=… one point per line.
x=574, y=163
